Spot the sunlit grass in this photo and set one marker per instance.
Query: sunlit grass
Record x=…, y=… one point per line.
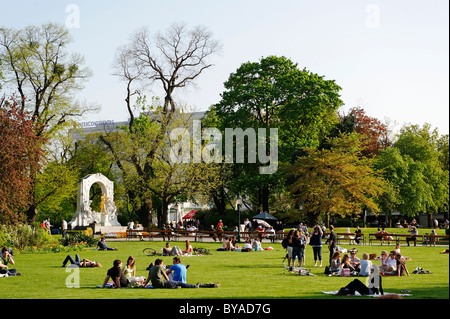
x=242, y=275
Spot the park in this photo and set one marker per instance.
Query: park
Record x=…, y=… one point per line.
x=238, y=129
x=241, y=274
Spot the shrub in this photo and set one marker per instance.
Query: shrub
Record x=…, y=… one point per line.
x=22, y=235
x=78, y=237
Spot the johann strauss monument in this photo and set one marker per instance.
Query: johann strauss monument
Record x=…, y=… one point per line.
x=108, y=211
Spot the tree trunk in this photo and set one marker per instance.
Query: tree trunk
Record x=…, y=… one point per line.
x=31, y=214
x=164, y=212
x=145, y=212
x=219, y=200
x=265, y=198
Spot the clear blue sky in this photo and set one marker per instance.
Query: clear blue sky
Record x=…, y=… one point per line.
x=390, y=57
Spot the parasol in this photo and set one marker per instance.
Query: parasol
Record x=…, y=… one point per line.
x=264, y=216
x=190, y=215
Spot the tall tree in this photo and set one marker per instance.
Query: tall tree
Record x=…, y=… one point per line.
x=37, y=64
x=173, y=60
x=415, y=169
x=20, y=154
x=275, y=93
x=336, y=181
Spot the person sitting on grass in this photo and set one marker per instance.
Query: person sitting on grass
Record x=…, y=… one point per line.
x=167, y=250
x=401, y=265
x=159, y=279
x=335, y=262
x=6, y=259
x=247, y=245
x=101, y=245
x=189, y=250
x=346, y=263
x=365, y=265
x=179, y=270
x=390, y=264
x=228, y=245
x=117, y=276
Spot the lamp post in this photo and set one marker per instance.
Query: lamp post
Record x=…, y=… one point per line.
x=238, y=205
x=301, y=212
x=176, y=213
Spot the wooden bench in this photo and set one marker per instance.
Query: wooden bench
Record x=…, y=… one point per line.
x=433, y=239
x=150, y=234
x=343, y=236
x=381, y=238
x=395, y=238
x=209, y=234
x=404, y=238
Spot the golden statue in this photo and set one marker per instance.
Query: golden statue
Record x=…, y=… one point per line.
x=102, y=204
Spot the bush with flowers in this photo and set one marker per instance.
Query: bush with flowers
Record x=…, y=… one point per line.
x=56, y=248
x=33, y=239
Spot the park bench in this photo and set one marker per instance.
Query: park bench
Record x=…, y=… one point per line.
x=150, y=234
x=344, y=236
x=350, y=237
x=435, y=239
x=402, y=238
x=209, y=234
x=396, y=238
x=382, y=238
x=179, y=233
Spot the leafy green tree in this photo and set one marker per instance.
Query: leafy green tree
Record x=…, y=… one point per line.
x=46, y=78
x=335, y=181
x=275, y=93
x=415, y=169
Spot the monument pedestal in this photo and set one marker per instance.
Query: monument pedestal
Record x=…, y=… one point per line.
x=105, y=221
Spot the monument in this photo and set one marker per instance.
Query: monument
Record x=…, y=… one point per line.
x=85, y=215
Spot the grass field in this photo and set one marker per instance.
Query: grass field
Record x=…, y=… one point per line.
x=252, y=275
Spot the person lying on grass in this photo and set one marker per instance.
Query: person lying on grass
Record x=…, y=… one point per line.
x=80, y=263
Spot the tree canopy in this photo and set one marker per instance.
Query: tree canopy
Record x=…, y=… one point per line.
x=335, y=181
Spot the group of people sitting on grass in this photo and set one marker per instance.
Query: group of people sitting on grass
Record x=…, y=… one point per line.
x=159, y=276
x=350, y=265
x=176, y=250
x=230, y=243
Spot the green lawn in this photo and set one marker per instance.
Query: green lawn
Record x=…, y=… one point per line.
x=251, y=275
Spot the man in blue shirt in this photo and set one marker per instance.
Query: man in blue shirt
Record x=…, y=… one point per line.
x=179, y=270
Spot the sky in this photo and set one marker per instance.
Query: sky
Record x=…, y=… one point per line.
x=389, y=57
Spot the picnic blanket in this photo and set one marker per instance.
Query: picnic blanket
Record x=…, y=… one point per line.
x=357, y=294
x=111, y=285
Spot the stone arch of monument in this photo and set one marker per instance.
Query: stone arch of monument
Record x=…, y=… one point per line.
x=84, y=214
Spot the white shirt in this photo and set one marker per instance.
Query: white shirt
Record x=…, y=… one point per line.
x=391, y=262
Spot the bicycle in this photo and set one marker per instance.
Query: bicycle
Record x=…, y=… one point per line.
x=151, y=252
x=201, y=251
